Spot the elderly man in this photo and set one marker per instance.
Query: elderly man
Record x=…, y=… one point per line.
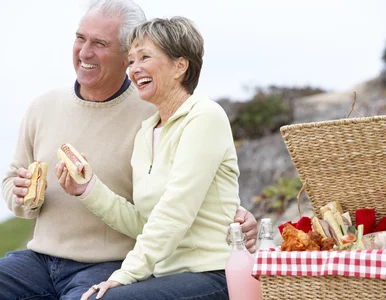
x=72, y=249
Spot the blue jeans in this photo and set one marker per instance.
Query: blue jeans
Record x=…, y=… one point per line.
x=29, y=275
x=183, y=286
x=26, y=274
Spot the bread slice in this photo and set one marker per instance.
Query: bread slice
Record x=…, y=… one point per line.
x=86, y=173
x=37, y=188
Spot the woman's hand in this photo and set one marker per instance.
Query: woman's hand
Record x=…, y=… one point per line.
x=100, y=288
x=249, y=227
x=66, y=182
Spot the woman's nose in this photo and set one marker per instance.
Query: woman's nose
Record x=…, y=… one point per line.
x=135, y=68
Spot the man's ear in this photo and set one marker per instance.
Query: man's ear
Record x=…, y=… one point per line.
x=182, y=65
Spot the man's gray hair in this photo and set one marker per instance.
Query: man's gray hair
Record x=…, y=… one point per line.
x=130, y=13
x=177, y=37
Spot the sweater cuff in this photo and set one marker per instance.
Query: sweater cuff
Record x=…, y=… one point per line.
x=90, y=186
x=121, y=277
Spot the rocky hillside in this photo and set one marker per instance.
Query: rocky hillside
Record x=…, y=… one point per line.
x=263, y=161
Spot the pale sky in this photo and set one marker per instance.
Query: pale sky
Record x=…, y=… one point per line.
x=333, y=44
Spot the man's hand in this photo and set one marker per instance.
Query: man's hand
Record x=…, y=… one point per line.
x=21, y=183
x=249, y=227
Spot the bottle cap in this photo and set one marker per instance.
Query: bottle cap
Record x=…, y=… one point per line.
x=266, y=220
x=235, y=226
x=265, y=229
x=235, y=233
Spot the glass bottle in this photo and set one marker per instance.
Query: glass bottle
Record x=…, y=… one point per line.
x=265, y=235
x=241, y=284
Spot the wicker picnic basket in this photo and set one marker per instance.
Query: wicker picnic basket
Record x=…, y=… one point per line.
x=342, y=160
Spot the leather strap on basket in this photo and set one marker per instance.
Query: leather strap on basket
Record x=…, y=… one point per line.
x=353, y=106
x=299, y=194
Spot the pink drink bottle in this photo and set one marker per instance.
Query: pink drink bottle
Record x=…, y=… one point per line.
x=241, y=284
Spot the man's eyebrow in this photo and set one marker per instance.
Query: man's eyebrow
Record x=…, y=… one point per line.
x=98, y=40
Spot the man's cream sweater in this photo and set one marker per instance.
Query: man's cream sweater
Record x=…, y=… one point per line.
x=105, y=132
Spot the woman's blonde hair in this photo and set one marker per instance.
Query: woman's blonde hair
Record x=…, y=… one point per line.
x=177, y=37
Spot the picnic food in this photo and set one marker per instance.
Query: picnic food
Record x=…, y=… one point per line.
x=349, y=237
x=380, y=239
x=298, y=240
x=321, y=227
x=37, y=188
x=303, y=224
x=334, y=231
x=335, y=227
x=359, y=245
x=333, y=206
x=342, y=230
x=78, y=168
x=334, y=223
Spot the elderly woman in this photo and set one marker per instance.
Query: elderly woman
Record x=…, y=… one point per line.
x=185, y=176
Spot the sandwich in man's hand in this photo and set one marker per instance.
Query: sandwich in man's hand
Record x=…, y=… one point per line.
x=37, y=188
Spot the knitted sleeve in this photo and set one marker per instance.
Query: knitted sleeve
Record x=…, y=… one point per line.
x=23, y=156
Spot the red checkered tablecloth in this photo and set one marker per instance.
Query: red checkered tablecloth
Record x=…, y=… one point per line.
x=365, y=263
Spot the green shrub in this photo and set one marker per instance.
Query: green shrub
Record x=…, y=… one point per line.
x=14, y=234
x=277, y=196
x=261, y=116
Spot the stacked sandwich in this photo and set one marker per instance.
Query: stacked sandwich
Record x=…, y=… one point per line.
x=336, y=224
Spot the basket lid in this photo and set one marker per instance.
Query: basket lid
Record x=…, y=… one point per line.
x=341, y=160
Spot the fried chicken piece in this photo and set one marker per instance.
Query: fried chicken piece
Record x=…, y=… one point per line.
x=293, y=239
x=315, y=240
x=297, y=240
x=326, y=243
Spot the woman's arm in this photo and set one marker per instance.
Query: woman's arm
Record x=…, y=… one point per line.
x=114, y=210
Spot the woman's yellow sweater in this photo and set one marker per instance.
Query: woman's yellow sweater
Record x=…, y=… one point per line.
x=185, y=196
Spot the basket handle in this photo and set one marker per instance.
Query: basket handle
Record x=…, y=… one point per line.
x=299, y=194
x=352, y=106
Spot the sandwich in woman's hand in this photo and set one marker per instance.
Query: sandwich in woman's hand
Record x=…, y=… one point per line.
x=37, y=188
x=78, y=168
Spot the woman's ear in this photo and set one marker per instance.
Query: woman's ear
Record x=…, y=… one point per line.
x=182, y=65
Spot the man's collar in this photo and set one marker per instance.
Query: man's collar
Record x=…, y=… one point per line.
x=121, y=90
